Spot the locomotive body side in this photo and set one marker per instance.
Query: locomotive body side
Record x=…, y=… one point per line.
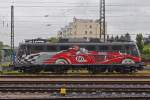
x=82, y=56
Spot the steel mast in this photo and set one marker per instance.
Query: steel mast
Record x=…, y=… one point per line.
x=102, y=20
x=12, y=35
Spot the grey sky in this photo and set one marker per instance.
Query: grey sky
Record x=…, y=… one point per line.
x=122, y=16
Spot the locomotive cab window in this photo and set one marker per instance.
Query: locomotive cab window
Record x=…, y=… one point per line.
x=91, y=48
x=117, y=48
x=39, y=47
x=52, y=48
x=132, y=49
x=65, y=47
x=103, y=48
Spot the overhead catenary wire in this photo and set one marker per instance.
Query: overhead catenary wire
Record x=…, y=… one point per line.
x=94, y=5
x=77, y=15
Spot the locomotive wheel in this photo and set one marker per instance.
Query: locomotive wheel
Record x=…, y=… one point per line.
x=93, y=70
x=61, y=61
x=130, y=69
x=125, y=71
x=118, y=70
x=110, y=70
x=60, y=71
x=128, y=61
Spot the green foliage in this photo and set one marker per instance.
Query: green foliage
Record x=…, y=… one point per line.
x=6, y=46
x=127, y=37
x=1, y=46
x=5, y=64
x=146, y=49
x=140, y=42
x=146, y=57
x=146, y=52
x=12, y=73
x=53, y=40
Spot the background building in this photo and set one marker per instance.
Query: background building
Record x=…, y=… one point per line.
x=81, y=28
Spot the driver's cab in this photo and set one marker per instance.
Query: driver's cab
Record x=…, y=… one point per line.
x=82, y=51
x=78, y=50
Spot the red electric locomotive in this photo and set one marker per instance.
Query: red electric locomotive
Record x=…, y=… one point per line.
x=96, y=57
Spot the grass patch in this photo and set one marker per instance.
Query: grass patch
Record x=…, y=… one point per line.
x=5, y=64
x=11, y=73
x=81, y=72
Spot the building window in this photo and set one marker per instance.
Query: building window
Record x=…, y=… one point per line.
x=85, y=32
x=91, y=32
x=90, y=26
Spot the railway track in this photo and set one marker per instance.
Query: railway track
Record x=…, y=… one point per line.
x=103, y=96
x=112, y=76
x=77, y=87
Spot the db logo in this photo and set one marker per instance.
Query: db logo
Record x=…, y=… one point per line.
x=80, y=59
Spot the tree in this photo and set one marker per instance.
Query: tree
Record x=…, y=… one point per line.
x=127, y=37
x=122, y=38
x=111, y=39
x=117, y=38
x=107, y=37
x=140, y=42
x=1, y=47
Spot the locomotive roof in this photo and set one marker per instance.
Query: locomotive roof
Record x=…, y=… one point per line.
x=106, y=43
